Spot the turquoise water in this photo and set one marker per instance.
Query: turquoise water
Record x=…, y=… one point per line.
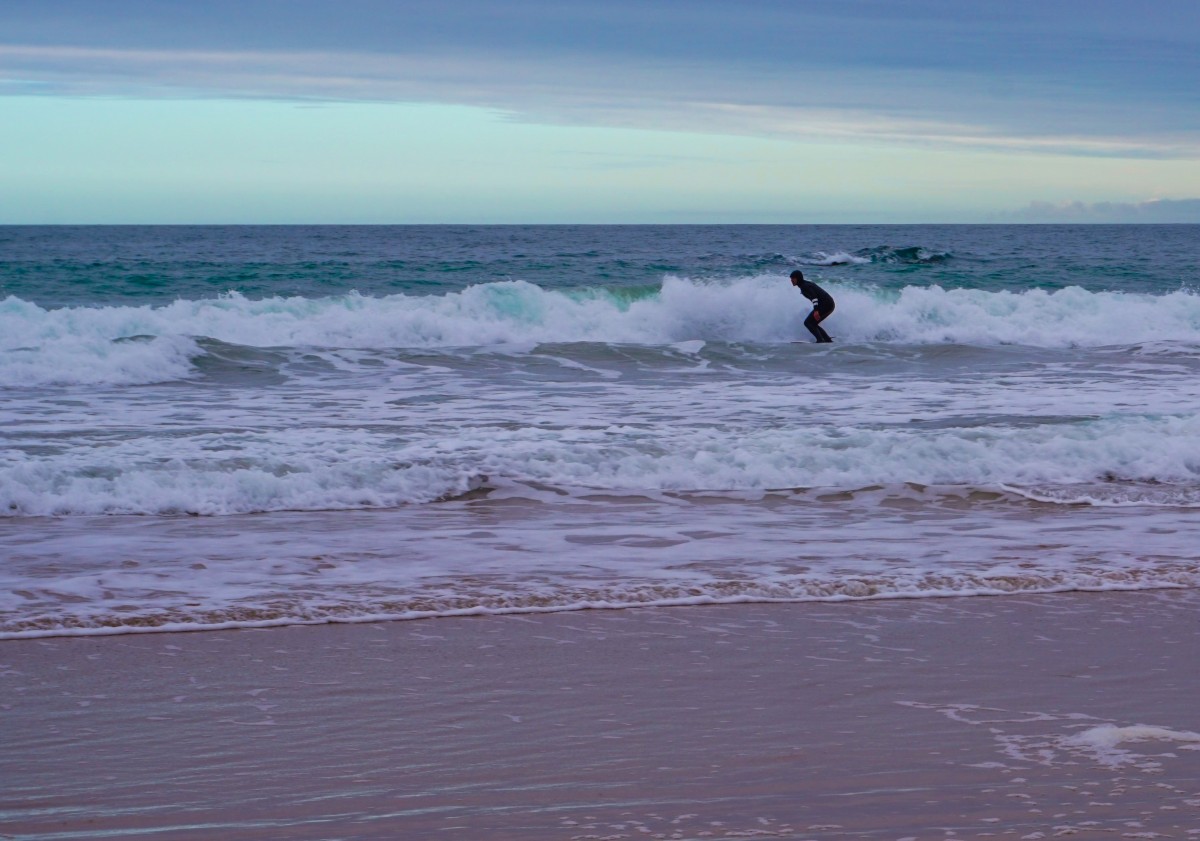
x=60, y=266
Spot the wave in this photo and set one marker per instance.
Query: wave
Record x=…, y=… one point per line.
x=97, y=360
x=94, y=617
x=912, y=255
x=1131, y=461
x=147, y=344
x=835, y=258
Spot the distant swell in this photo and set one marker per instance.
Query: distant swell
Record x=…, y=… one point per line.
x=909, y=255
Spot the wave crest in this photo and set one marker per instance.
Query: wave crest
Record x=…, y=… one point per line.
x=146, y=344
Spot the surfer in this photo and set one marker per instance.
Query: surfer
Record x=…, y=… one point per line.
x=822, y=303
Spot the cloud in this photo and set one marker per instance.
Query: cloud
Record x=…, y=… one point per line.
x=1153, y=210
x=1070, y=77
x=591, y=90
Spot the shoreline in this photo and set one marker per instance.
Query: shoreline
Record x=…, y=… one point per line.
x=485, y=611
x=1024, y=716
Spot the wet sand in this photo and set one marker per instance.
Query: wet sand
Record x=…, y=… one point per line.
x=1071, y=715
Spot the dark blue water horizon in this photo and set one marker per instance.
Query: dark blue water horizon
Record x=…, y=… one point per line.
x=73, y=265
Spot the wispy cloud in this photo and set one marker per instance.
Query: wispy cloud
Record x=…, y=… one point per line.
x=681, y=95
x=1153, y=210
x=1071, y=77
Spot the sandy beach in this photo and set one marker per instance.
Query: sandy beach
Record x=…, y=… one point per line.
x=1070, y=715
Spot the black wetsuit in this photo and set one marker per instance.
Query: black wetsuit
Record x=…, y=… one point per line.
x=823, y=307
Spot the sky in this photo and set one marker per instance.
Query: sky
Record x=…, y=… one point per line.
x=624, y=111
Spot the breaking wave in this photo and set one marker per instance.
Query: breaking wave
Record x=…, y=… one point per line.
x=124, y=345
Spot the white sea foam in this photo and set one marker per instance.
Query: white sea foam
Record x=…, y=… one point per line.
x=1104, y=743
x=333, y=468
x=835, y=258
x=118, y=575
x=1109, y=736
x=94, y=360
x=55, y=346
x=225, y=474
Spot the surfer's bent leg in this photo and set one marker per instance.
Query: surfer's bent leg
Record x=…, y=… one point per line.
x=814, y=326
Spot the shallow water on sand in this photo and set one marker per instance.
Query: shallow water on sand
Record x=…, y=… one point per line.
x=1026, y=717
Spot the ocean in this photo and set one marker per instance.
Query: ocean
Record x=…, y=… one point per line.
x=216, y=427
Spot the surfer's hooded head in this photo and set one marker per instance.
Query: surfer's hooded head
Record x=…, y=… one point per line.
x=797, y=276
